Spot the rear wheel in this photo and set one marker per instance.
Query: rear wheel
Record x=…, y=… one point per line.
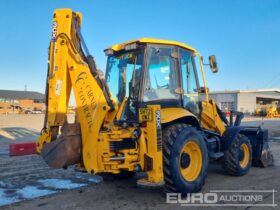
x=238, y=158
x=185, y=159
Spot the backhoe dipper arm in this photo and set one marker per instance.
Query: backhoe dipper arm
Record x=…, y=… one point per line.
x=70, y=67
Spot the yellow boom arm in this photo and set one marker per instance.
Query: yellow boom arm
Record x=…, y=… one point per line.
x=70, y=68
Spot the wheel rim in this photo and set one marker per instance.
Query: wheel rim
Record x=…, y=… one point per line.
x=191, y=170
x=246, y=155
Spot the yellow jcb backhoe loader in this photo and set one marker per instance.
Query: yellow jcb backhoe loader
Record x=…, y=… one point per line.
x=146, y=114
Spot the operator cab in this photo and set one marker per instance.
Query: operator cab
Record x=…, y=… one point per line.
x=152, y=71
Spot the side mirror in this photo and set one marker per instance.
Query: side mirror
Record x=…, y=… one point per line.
x=213, y=63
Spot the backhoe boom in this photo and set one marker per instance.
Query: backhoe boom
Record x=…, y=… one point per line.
x=70, y=68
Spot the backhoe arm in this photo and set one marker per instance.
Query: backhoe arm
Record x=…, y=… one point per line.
x=70, y=68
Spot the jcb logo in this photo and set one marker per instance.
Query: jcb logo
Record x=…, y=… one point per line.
x=54, y=31
x=158, y=119
x=159, y=134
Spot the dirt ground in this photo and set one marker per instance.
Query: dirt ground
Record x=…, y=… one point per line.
x=27, y=183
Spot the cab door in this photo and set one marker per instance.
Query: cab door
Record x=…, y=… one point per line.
x=161, y=78
x=189, y=81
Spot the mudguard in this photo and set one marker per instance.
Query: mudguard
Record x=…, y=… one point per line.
x=262, y=156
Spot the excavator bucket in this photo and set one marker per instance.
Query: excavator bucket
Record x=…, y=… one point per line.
x=66, y=150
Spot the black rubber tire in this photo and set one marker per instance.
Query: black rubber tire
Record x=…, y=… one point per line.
x=174, y=138
x=122, y=175
x=231, y=158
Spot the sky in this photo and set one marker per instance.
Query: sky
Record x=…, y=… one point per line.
x=243, y=34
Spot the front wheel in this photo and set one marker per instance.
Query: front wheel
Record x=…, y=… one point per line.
x=238, y=158
x=185, y=159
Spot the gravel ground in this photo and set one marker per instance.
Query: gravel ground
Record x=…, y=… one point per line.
x=27, y=183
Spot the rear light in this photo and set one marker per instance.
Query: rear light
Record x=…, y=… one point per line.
x=144, y=124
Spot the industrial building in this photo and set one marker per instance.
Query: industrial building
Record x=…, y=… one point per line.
x=246, y=101
x=12, y=101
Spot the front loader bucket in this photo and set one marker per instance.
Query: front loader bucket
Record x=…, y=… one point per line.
x=66, y=150
x=262, y=155
x=266, y=157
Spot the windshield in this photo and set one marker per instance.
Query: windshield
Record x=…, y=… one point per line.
x=123, y=75
x=161, y=78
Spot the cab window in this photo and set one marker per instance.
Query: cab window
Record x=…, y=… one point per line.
x=161, y=76
x=189, y=81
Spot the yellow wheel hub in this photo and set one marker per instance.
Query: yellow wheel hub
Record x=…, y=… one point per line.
x=190, y=161
x=246, y=155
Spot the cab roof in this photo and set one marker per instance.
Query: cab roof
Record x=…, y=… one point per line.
x=121, y=46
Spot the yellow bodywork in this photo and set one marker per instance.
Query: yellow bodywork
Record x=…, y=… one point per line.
x=69, y=70
x=119, y=47
x=153, y=137
x=171, y=114
x=210, y=119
